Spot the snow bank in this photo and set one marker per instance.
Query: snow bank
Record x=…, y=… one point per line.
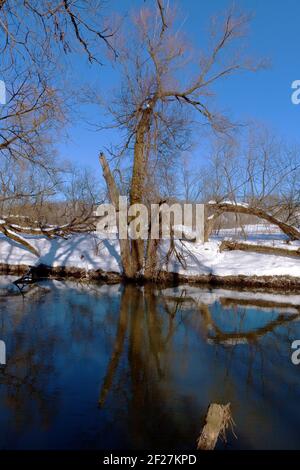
x=207, y=259
x=89, y=252
x=82, y=251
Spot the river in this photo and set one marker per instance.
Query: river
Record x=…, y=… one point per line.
x=136, y=367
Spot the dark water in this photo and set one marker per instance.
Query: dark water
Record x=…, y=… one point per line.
x=107, y=367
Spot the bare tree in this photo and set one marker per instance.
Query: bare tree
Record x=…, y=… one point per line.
x=37, y=30
x=36, y=36
x=256, y=177
x=160, y=101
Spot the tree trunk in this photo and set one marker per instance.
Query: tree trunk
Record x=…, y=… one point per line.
x=151, y=268
x=135, y=258
x=218, y=419
x=138, y=179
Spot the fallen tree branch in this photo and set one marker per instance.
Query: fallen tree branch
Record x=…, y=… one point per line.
x=17, y=238
x=15, y=231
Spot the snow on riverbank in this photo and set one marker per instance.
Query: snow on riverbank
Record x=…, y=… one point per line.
x=81, y=251
x=88, y=252
x=207, y=259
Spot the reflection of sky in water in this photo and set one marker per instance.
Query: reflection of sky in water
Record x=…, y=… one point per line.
x=151, y=363
x=241, y=319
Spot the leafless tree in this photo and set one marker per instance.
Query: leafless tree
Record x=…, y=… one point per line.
x=256, y=177
x=164, y=92
x=36, y=36
x=35, y=202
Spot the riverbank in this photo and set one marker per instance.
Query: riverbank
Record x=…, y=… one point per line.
x=283, y=283
x=87, y=257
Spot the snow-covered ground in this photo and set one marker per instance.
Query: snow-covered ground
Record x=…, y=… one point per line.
x=207, y=259
x=83, y=251
x=89, y=252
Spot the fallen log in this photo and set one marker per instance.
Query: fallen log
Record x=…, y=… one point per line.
x=230, y=245
x=218, y=419
x=15, y=231
x=19, y=239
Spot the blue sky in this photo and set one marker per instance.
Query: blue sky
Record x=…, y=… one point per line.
x=264, y=96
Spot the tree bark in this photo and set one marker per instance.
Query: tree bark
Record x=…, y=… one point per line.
x=230, y=245
x=138, y=179
x=218, y=419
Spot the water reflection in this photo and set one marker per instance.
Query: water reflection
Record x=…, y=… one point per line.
x=136, y=367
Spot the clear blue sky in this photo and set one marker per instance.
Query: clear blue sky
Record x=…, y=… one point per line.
x=264, y=96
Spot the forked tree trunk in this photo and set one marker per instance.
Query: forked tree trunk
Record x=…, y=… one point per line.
x=133, y=255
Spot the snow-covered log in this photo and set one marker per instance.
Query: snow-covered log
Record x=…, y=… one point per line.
x=229, y=245
x=16, y=231
x=8, y=232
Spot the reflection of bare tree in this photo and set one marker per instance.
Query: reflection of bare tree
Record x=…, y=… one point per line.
x=259, y=303
x=38, y=327
x=150, y=323
x=241, y=337
x=152, y=318
x=118, y=347
x=147, y=369
x=168, y=354
x=263, y=345
x=216, y=335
